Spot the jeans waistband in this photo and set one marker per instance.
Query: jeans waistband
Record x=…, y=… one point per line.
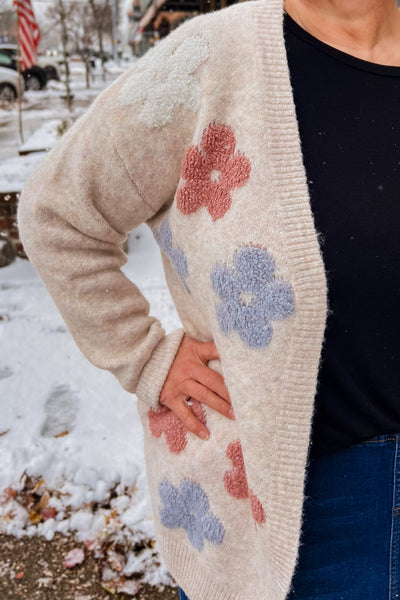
x=381, y=438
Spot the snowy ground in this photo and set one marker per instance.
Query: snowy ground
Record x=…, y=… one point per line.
x=71, y=456
x=70, y=424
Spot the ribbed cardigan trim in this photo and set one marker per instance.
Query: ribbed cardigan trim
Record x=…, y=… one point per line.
x=302, y=252
x=180, y=560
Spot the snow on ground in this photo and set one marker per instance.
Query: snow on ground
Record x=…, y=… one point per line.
x=71, y=426
x=43, y=138
x=5, y=116
x=15, y=171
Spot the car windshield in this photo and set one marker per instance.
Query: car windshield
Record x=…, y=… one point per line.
x=5, y=60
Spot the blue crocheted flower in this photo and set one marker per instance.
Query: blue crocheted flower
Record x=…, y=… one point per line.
x=251, y=297
x=175, y=254
x=188, y=507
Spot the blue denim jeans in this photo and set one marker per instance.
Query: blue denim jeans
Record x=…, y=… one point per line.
x=182, y=595
x=350, y=544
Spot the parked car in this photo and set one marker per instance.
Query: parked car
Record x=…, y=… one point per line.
x=35, y=77
x=8, y=85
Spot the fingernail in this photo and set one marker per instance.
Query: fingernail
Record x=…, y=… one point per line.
x=204, y=435
x=231, y=413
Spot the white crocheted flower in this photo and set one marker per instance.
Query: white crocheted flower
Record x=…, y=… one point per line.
x=167, y=81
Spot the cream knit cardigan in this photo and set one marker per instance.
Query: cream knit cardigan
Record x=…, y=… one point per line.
x=199, y=139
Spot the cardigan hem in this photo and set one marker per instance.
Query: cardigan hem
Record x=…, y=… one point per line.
x=195, y=581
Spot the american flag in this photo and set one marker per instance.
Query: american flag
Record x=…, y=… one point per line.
x=28, y=33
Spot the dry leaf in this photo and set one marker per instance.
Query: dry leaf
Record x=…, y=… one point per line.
x=108, y=588
x=62, y=433
x=7, y=494
x=49, y=512
x=35, y=517
x=37, y=486
x=90, y=544
x=44, y=500
x=76, y=556
x=116, y=560
x=118, y=585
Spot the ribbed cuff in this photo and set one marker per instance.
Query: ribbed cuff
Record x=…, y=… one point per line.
x=155, y=371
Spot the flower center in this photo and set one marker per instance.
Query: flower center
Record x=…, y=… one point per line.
x=215, y=175
x=247, y=298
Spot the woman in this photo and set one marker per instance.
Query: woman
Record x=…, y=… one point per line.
x=245, y=140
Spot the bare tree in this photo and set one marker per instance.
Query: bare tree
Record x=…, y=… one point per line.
x=101, y=12
x=7, y=21
x=62, y=14
x=82, y=33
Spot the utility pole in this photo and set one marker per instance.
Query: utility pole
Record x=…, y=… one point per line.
x=19, y=59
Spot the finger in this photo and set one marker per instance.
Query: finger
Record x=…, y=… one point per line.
x=207, y=351
x=206, y=396
x=192, y=424
x=211, y=379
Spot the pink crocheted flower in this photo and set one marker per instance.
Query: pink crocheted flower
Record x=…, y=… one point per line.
x=163, y=420
x=236, y=481
x=211, y=172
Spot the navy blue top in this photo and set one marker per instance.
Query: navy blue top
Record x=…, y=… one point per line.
x=348, y=112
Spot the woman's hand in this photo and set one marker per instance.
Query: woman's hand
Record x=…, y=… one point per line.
x=189, y=376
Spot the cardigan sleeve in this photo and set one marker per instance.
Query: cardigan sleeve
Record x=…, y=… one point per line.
x=115, y=168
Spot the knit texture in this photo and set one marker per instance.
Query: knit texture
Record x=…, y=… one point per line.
x=199, y=140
